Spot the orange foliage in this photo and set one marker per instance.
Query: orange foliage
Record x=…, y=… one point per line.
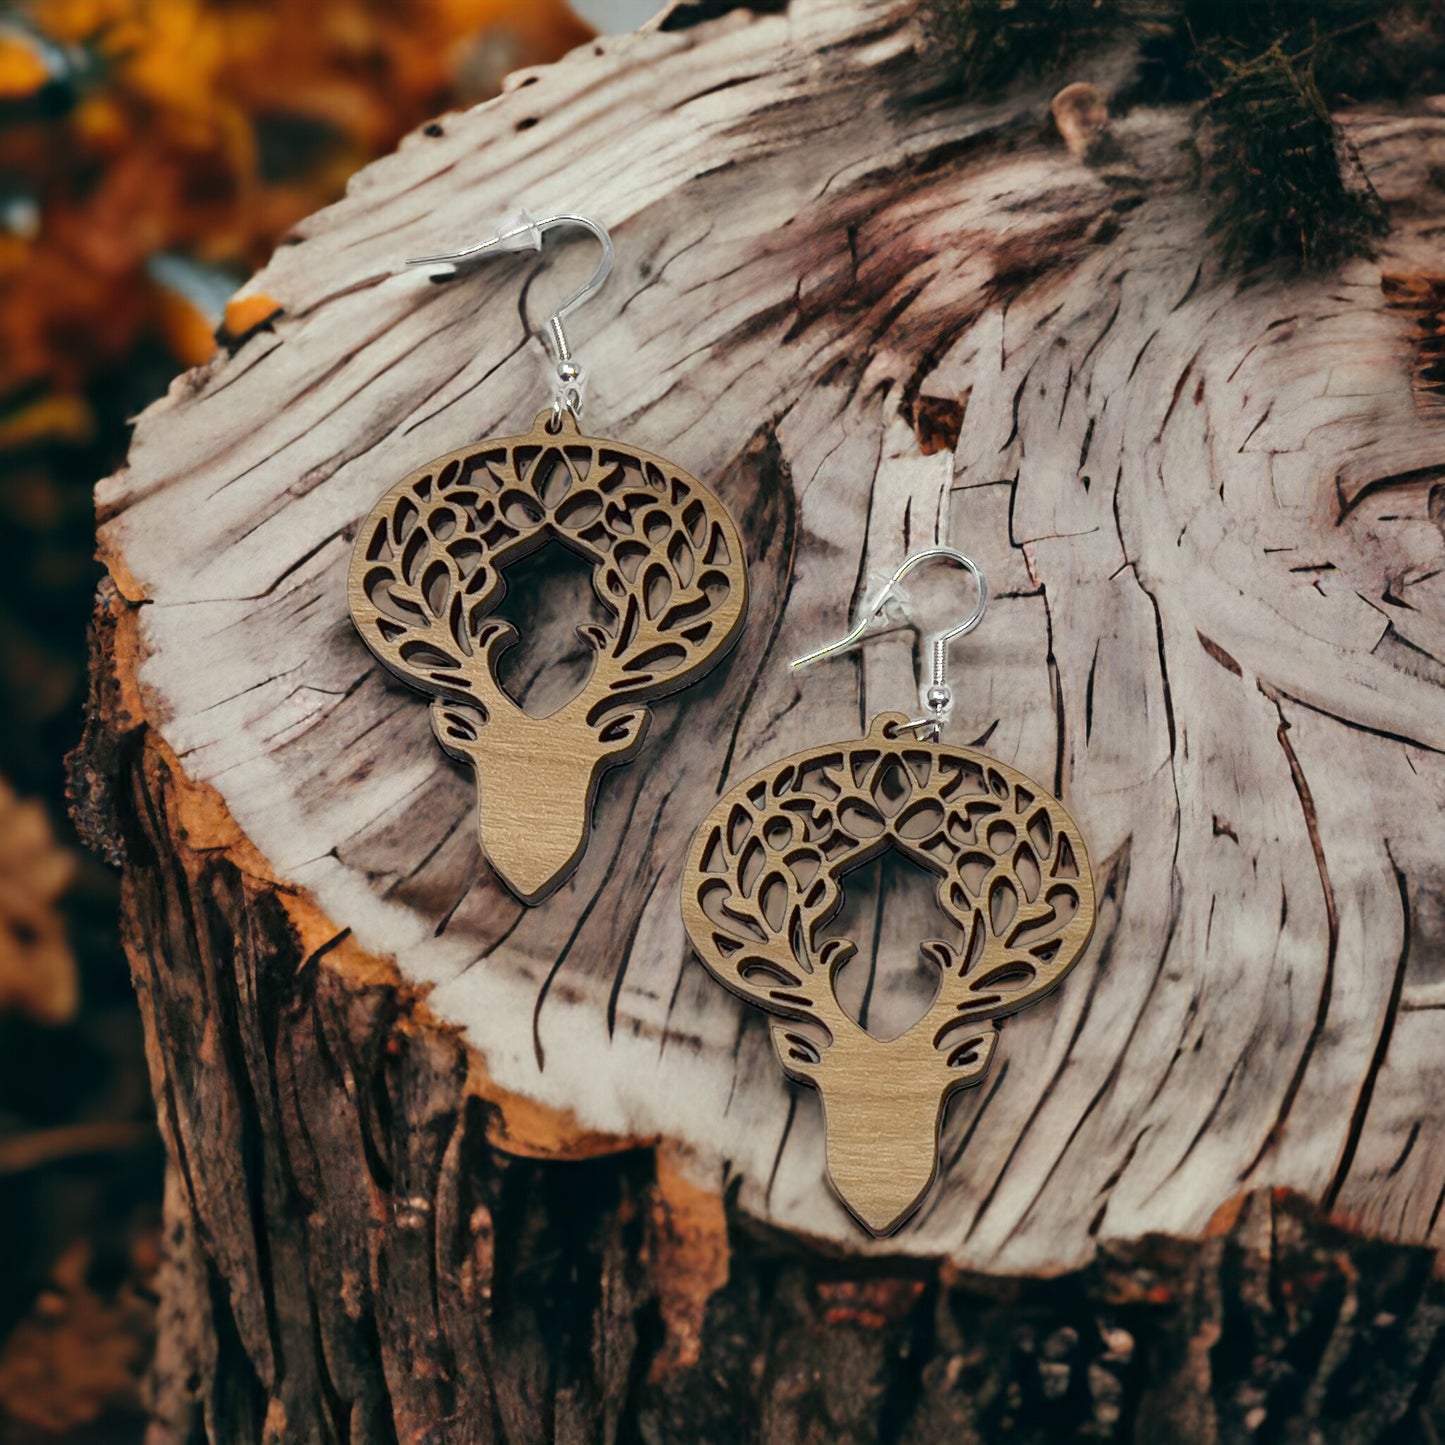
x=37, y=968
x=78, y=1353
x=245, y=313
x=204, y=128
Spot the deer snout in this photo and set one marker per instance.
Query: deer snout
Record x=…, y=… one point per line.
x=533, y=823
x=883, y=1101
x=536, y=783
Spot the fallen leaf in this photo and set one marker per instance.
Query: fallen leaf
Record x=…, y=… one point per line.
x=37, y=969
x=76, y=1355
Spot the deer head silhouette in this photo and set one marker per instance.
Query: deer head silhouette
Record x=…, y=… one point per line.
x=427, y=572
x=762, y=880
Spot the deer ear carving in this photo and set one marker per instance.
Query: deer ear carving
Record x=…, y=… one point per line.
x=1014, y=882
x=457, y=725
x=622, y=733
x=427, y=572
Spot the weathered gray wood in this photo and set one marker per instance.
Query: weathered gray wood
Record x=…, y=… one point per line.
x=1205, y=632
x=1209, y=506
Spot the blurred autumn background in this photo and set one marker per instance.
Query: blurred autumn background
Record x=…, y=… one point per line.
x=152, y=152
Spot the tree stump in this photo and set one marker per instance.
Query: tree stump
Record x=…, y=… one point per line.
x=446, y=1168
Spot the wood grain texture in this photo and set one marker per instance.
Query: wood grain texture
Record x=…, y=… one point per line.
x=766, y=874
x=368, y=1241
x=429, y=570
x=869, y=315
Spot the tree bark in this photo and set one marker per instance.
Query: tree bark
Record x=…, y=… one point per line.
x=444, y=1168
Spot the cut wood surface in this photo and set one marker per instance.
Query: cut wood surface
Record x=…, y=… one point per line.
x=870, y=316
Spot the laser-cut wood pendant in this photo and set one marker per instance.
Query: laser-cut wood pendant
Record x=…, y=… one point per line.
x=763, y=878
x=426, y=574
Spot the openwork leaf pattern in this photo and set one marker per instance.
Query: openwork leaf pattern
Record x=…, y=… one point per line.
x=766, y=868
x=667, y=563
x=428, y=572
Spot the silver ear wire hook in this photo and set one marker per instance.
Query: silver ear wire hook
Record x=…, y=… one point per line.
x=939, y=696
x=525, y=234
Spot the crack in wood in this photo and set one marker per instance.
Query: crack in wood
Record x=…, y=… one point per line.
x=888, y=242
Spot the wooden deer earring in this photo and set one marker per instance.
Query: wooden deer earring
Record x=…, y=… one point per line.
x=763, y=878
x=428, y=570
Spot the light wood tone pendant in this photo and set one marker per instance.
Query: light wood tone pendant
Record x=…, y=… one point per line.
x=764, y=877
x=427, y=572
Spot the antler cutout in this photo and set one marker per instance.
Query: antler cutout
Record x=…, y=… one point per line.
x=427, y=572
x=762, y=880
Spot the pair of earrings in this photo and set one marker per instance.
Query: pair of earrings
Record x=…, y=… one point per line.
x=764, y=872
